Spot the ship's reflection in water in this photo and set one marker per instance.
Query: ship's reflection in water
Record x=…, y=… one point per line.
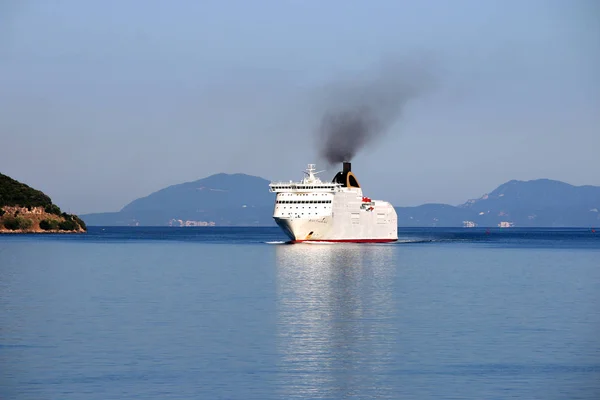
x=335, y=333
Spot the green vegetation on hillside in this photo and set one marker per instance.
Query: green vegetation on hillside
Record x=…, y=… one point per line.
x=14, y=223
x=15, y=193
x=79, y=222
x=49, y=224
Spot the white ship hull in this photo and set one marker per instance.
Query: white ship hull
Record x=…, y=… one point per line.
x=313, y=211
x=328, y=229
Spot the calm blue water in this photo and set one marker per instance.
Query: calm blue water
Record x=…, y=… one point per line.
x=223, y=313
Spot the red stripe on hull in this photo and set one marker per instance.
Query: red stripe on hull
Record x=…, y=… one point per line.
x=347, y=240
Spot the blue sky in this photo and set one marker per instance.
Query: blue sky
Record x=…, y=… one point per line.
x=104, y=102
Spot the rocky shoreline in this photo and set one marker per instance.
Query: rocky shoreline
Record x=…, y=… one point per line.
x=38, y=220
x=37, y=231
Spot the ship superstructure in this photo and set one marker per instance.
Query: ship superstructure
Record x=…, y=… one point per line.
x=336, y=211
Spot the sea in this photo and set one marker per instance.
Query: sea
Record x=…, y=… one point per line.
x=238, y=313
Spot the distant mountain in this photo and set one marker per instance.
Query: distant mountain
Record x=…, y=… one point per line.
x=244, y=200
x=536, y=203
x=221, y=200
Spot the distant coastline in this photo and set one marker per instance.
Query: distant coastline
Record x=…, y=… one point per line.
x=230, y=200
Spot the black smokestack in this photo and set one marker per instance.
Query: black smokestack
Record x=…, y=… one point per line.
x=347, y=167
x=362, y=110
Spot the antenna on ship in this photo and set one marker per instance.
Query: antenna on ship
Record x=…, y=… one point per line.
x=310, y=171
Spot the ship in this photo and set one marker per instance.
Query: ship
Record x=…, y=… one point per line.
x=311, y=210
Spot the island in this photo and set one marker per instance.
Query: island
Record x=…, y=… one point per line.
x=27, y=210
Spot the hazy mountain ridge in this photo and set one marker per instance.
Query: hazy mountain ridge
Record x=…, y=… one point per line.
x=534, y=203
x=245, y=200
x=221, y=199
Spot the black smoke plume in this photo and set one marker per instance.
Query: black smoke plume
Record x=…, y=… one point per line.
x=362, y=110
